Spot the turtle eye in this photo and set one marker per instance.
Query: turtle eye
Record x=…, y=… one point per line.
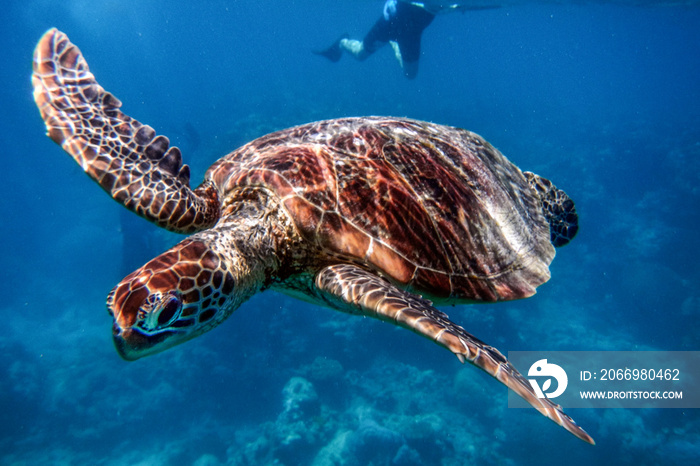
x=169, y=312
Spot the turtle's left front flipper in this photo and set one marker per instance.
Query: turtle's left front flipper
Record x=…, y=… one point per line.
x=135, y=166
x=354, y=290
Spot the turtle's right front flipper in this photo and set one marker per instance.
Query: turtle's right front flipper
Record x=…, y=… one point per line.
x=134, y=165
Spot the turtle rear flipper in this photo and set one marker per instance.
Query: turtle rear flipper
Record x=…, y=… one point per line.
x=135, y=166
x=558, y=209
x=352, y=289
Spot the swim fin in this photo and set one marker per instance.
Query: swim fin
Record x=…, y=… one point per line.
x=333, y=53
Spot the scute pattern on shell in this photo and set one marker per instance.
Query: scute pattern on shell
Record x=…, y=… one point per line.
x=436, y=209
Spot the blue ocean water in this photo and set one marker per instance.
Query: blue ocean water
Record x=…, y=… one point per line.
x=602, y=98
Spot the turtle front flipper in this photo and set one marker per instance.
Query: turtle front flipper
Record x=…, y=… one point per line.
x=357, y=291
x=135, y=166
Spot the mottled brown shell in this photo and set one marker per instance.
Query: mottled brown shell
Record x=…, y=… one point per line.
x=436, y=209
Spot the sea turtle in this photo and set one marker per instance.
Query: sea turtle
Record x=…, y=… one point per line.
x=371, y=216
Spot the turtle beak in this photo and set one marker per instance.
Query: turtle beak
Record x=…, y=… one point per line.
x=124, y=342
x=132, y=344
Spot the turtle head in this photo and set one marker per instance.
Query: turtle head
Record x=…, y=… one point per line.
x=180, y=294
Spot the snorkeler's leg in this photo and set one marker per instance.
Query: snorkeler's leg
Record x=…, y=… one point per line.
x=397, y=52
x=410, y=68
x=354, y=47
x=359, y=49
x=377, y=37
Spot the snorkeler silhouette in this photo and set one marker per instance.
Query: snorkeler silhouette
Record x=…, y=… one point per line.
x=401, y=24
